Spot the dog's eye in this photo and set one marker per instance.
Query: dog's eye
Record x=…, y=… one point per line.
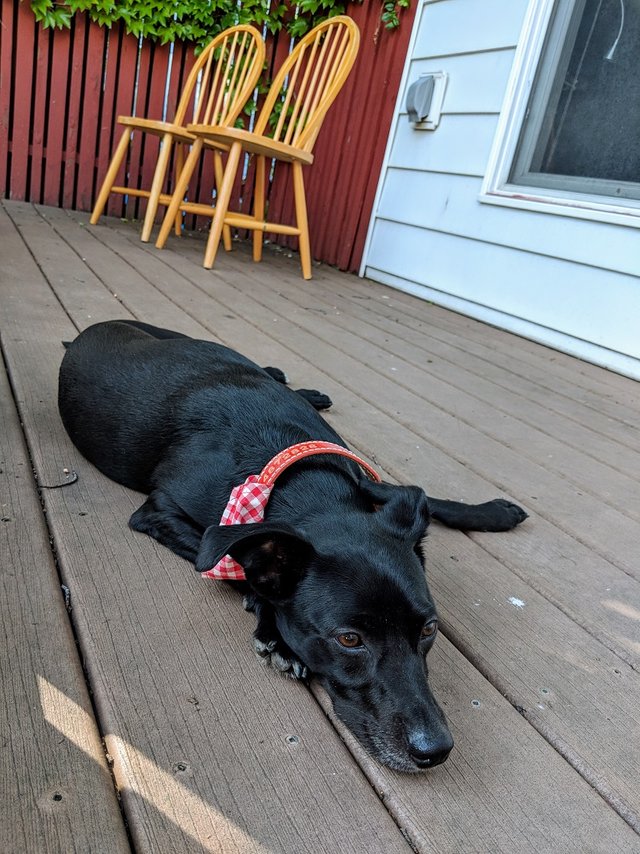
x=429, y=630
x=350, y=640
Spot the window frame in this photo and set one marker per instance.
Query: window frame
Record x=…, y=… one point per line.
x=496, y=187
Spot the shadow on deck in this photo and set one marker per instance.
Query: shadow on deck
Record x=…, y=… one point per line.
x=135, y=714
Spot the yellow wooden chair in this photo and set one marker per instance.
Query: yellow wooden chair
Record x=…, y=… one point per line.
x=286, y=129
x=217, y=88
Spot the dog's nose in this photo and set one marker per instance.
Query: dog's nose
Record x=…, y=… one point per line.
x=427, y=751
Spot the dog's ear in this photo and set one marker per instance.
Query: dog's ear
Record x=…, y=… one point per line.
x=404, y=508
x=272, y=555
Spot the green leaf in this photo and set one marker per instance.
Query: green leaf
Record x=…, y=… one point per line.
x=298, y=27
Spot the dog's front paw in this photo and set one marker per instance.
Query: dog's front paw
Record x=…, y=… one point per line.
x=250, y=602
x=316, y=398
x=276, y=653
x=503, y=515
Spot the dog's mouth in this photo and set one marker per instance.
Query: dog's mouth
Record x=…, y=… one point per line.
x=424, y=764
x=391, y=745
x=400, y=759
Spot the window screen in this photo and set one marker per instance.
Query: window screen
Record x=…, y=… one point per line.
x=582, y=125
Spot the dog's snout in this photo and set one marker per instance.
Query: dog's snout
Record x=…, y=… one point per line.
x=427, y=751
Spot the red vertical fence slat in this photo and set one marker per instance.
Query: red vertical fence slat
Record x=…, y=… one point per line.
x=180, y=66
x=56, y=120
x=124, y=98
x=40, y=101
x=106, y=138
x=150, y=144
x=88, y=130
x=7, y=18
x=139, y=109
x=79, y=35
x=124, y=89
x=59, y=104
x=23, y=80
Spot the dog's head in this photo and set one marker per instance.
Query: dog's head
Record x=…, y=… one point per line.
x=351, y=601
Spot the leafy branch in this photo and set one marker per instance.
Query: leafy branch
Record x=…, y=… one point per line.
x=198, y=21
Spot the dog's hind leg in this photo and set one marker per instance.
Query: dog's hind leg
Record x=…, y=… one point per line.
x=496, y=515
x=161, y=518
x=155, y=331
x=276, y=374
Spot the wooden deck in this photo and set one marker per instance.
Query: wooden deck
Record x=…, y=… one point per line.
x=135, y=716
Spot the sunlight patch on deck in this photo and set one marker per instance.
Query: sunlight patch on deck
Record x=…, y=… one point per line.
x=622, y=608
x=142, y=777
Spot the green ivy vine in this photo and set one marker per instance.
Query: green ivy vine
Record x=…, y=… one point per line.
x=198, y=21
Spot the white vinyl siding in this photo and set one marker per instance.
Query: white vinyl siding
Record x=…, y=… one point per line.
x=562, y=280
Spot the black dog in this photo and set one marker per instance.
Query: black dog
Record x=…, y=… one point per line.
x=335, y=571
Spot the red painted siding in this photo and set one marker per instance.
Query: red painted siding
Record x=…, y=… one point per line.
x=61, y=92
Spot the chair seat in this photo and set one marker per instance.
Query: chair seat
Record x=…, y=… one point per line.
x=160, y=128
x=157, y=127
x=255, y=143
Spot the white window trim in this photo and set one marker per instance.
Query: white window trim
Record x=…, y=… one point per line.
x=496, y=188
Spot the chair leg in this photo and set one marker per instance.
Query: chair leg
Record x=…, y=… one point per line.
x=173, y=211
x=156, y=187
x=219, y=172
x=110, y=177
x=258, y=206
x=179, y=166
x=222, y=204
x=301, y=220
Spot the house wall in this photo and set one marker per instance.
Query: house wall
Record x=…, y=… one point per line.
x=566, y=281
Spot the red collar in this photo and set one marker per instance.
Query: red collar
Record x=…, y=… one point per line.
x=247, y=502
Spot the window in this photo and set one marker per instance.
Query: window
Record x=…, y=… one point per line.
x=571, y=133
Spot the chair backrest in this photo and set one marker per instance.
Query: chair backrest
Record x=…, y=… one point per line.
x=222, y=79
x=308, y=82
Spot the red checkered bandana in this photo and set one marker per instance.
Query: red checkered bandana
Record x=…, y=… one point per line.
x=247, y=502
x=246, y=505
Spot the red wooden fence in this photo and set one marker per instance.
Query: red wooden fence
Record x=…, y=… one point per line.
x=61, y=91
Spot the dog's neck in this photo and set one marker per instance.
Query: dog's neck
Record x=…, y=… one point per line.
x=248, y=501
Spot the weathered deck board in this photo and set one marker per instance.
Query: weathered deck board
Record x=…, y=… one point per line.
x=558, y=443
x=504, y=787
x=552, y=561
x=432, y=339
x=597, y=739
x=575, y=383
x=609, y=407
x=50, y=750
x=198, y=732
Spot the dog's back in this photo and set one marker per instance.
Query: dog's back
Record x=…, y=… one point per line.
x=129, y=390
x=119, y=388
